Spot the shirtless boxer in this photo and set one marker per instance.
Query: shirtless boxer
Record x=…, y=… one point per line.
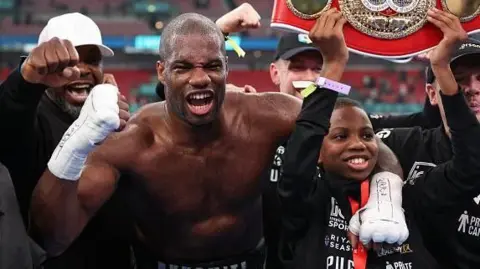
x=190, y=166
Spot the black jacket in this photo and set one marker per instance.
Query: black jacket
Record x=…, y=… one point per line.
x=17, y=250
x=32, y=126
x=451, y=233
x=428, y=118
x=310, y=217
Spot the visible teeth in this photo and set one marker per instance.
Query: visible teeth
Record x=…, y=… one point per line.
x=198, y=96
x=80, y=86
x=357, y=160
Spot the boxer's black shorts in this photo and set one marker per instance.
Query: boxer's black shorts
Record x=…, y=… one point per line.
x=254, y=259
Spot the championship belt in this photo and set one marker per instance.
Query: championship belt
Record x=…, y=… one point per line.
x=390, y=29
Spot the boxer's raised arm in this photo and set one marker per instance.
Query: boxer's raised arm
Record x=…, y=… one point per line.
x=62, y=208
x=74, y=187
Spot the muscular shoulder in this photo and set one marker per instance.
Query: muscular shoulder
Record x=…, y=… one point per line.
x=148, y=113
x=271, y=111
x=266, y=103
x=121, y=147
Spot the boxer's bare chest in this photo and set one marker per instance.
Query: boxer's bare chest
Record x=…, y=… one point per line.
x=200, y=199
x=184, y=179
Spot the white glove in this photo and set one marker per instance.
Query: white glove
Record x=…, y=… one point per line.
x=98, y=118
x=382, y=219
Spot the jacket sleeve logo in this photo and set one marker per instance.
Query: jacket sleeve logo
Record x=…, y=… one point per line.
x=384, y=133
x=418, y=169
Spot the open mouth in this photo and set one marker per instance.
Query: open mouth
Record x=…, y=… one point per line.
x=200, y=103
x=475, y=108
x=357, y=163
x=78, y=91
x=301, y=84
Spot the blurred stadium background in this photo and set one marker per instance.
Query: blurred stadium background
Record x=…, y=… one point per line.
x=133, y=29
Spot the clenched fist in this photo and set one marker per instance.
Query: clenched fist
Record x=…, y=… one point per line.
x=52, y=63
x=327, y=35
x=240, y=19
x=109, y=79
x=123, y=112
x=101, y=115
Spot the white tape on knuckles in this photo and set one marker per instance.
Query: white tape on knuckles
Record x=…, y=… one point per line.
x=98, y=118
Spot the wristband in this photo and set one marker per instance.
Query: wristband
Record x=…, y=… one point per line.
x=333, y=85
x=324, y=83
x=240, y=52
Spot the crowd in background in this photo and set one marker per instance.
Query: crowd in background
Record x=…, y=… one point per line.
x=92, y=194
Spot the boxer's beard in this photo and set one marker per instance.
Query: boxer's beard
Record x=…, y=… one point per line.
x=73, y=111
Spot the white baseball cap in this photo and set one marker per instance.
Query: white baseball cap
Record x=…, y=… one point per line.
x=76, y=27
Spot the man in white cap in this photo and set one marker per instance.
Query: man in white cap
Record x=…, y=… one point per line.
x=38, y=102
x=85, y=36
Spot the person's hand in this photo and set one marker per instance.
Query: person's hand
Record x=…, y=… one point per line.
x=52, y=63
x=99, y=117
x=124, y=111
x=124, y=108
x=424, y=57
x=109, y=79
x=453, y=36
x=327, y=35
x=240, y=19
x=249, y=89
x=246, y=88
x=440, y=56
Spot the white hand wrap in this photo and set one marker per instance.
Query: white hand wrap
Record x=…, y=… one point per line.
x=382, y=219
x=98, y=118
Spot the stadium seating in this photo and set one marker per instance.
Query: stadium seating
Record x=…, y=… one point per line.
x=118, y=23
x=130, y=18
x=133, y=79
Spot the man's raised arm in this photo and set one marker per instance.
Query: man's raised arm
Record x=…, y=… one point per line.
x=327, y=35
x=73, y=188
x=62, y=208
x=452, y=182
